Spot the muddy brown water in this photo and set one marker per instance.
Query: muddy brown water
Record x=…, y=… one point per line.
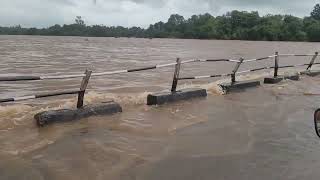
x=262, y=133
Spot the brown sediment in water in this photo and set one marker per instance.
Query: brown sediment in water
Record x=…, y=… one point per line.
x=263, y=133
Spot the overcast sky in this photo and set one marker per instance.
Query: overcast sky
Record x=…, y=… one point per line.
x=43, y=13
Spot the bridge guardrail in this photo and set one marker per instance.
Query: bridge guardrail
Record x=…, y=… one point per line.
x=88, y=74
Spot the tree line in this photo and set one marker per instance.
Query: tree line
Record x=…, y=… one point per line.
x=234, y=25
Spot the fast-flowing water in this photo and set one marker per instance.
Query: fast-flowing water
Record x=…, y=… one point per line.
x=261, y=133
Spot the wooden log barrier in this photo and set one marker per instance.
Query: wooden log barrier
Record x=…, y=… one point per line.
x=168, y=97
x=275, y=80
x=65, y=115
x=311, y=73
x=240, y=85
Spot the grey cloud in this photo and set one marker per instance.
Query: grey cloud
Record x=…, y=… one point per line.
x=152, y=3
x=67, y=2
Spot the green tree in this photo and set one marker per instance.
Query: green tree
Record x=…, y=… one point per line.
x=176, y=19
x=313, y=32
x=292, y=29
x=316, y=12
x=223, y=27
x=79, y=21
x=174, y=24
x=312, y=28
x=54, y=30
x=269, y=28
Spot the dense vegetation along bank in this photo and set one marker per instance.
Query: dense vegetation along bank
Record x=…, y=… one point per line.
x=235, y=25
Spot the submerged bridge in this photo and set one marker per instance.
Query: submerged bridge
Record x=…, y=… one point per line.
x=112, y=107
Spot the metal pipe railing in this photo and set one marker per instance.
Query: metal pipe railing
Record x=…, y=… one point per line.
x=80, y=92
x=46, y=77
x=276, y=67
x=49, y=77
x=86, y=76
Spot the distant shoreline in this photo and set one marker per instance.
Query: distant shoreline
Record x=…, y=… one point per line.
x=235, y=25
x=84, y=37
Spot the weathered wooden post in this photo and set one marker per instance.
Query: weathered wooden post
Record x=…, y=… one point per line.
x=233, y=75
x=83, y=88
x=276, y=64
x=310, y=72
x=312, y=60
x=176, y=76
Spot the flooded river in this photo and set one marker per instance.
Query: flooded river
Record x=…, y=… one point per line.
x=262, y=133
